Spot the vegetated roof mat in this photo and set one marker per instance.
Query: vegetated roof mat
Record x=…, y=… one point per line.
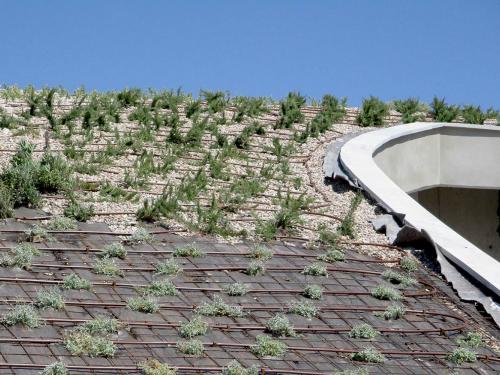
x=327, y=311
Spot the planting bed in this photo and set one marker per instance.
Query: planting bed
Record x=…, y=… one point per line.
x=213, y=193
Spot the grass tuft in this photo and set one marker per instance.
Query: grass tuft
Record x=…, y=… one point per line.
x=255, y=268
x=145, y=305
x=303, y=308
x=107, y=267
x=370, y=355
x=191, y=347
x=373, y=112
x=61, y=223
x=462, y=355
x=20, y=256
x=315, y=269
x=268, y=347
x=235, y=368
x=313, y=292
x=25, y=315
x=363, y=331
x=168, y=267
x=219, y=308
x=332, y=256
x=471, y=340
x=56, y=368
x=383, y=292
x=359, y=371
x=195, y=327
x=392, y=312
x=50, y=298
x=160, y=288
x=398, y=278
x=409, y=264
x=261, y=253
x=236, y=289
x=73, y=281
x=279, y=325
x=154, y=367
x=83, y=343
x=113, y=250
x=188, y=251
x=37, y=234
x=140, y=235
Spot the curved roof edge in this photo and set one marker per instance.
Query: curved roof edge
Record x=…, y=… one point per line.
x=357, y=158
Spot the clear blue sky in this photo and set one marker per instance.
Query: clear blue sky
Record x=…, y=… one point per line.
x=354, y=48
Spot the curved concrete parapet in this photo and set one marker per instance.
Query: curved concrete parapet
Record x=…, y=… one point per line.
x=394, y=162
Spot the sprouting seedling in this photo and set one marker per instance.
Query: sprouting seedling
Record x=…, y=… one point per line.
x=154, y=367
x=370, y=355
x=107, y=267
x=25, y=315
x=398, y=278
x=363, y=331
x=313, y=292
x=315, y=269
x=188, y=251
x=50, y=298
x=73, y=281
x=279, y=325
x=386, y=293
x=392, y=312
x=113, y=250
x=143, y=304
x=255, y=268
x=268, y=347
x=236, y=289
x=191, y=347
x=303, y=308
x=56, y=368
x=219, y=308
x=235, y=368
x=168, y=267
x=195, y=327
x=160, y=288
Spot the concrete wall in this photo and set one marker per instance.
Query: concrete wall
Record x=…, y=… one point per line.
x=471, y=212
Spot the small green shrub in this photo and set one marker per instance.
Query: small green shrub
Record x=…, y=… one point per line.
x=191, y=347
x=113, y=250
x=373, y=112
x=268, y=347
x=261, y=253
x=398, y=278
x=6, y=202
x=471, y=340
x=359, y=371
x=255, y=268
x=20, y=256
x=303, y=308
x=235, y=368
x=25, y=315
x=392, y=312
x=188, y=251
x=313, y=292
x=101, y=326
x=363, y=331
x=37, y=234
x=315, y=269
x=195, y=327
x=168, y=267
x=61, y=223
x=56, y=368
x=474, y=115
x=219, y=308
x=332, y=256
x=76, y=211
x=145, y=305
x=410, y=110
x=236, y=289
x=370, y=355
x=443, y=112
x=279, y=325
x=462, y=355
x=107, y=267
x=160, y=288
x=386, y=293
x=83, y=343
x=51, y=297
x=73, y=281
x=155, y=367
x=408, y=263
x=140, y=235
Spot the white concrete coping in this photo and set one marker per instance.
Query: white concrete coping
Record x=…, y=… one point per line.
x=359, y=158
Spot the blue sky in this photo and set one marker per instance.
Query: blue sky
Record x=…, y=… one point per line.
x=354, y=48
